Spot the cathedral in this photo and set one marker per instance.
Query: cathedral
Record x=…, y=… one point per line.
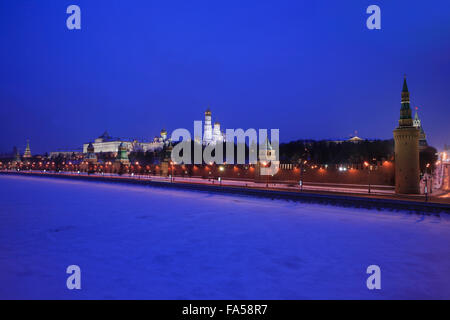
x=212, y=135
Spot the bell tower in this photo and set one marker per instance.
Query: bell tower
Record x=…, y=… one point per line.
x=208, y=131
x=406, y=137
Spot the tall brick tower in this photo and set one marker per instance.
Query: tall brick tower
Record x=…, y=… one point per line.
x=406, y=136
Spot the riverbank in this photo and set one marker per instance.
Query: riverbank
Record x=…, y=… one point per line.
x=378, y=201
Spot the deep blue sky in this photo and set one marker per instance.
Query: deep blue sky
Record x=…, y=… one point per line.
x=310, y=68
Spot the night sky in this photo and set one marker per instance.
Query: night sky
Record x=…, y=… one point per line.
x=310, y=68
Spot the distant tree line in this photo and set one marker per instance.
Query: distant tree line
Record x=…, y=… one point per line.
x=328, y=152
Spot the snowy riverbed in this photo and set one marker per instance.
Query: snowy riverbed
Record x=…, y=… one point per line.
x=137, y=242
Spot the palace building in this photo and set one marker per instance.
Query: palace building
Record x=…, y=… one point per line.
x=106, y=143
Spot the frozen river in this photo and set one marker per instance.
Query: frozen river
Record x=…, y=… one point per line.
x=139, y=242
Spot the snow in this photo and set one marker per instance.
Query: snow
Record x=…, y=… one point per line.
x=136, y=242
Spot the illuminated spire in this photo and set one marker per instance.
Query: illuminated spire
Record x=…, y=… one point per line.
x=416, y=118
x=27, y=153
x=418, y=124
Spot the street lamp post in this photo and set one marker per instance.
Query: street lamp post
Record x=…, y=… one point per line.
x=369, y=167
x=302, y=163
x=426, y=182
x=431, y=177
x=265, y=164
x=221, y=169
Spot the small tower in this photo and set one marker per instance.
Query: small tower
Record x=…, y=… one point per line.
x=163, y=135
x=16, y=154
x=122, y=154
x=406, y=136
x=266, y=152
x=268, y=163
x=168, y=152
x=422, y=136
x=167, y=160
x=27, y=153
x=416, y=121
x=207, y=132
x=91, y=157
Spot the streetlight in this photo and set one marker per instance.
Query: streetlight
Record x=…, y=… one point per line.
x=265, y=164
x=302, y=163
x=426, y=182
x=366, y=164
x=221, y=169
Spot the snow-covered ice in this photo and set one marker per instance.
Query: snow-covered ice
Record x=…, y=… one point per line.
x=136, y=242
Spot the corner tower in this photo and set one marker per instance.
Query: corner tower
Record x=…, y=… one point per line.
x=406, y=137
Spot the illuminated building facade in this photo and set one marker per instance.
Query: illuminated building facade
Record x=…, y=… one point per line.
x=210, y=135
x=105, y=143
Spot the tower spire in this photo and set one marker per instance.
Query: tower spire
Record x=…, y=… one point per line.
x=27, y=153
x=416, y=117
x=405, y=85
x=405, y=110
